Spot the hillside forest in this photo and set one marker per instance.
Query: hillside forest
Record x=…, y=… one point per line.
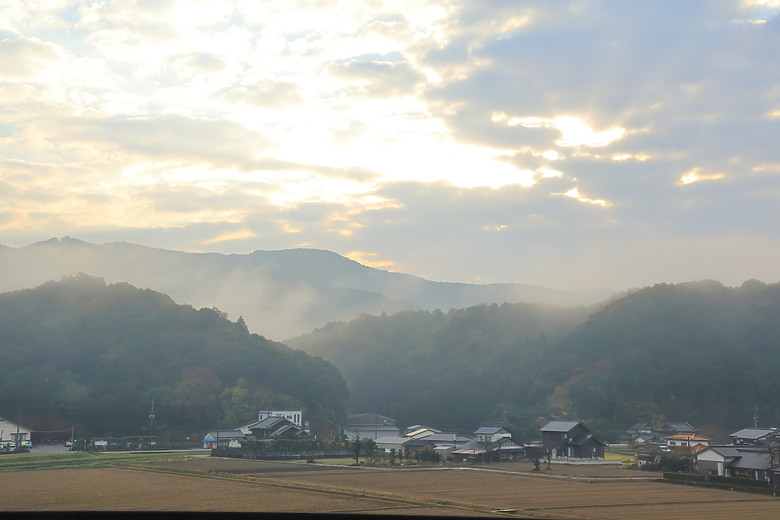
x=95, y=355
x=698, y=352
x=101, y=358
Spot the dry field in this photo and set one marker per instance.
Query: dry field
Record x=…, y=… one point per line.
x=209, y=484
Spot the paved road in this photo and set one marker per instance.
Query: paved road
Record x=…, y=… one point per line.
x=49, y=448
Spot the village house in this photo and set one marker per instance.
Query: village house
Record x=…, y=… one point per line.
x=14, y=435
x=295, y=416
x=270, y=428
x=490, y=443
x=649, y=433
x=740, y=461
x=273, y=427
x=420, y=438
x=371, y=426
x=686, y=444
x=223, y=439
x=754, y=453
x=566, y=439
x=753, y=436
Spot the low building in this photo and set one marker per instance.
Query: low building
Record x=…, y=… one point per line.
x=490, y=443
x=13, y=435
x=371, y=426
x=223, y=439
x=740, y=461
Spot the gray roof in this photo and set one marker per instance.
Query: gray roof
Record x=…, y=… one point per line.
x=268, y=422
x=366, y=419
x=226, y=434
x=726, y=451
x=752, y=459
x=480, y=446
x=752, y=433
x=558, y=426
x=446, y=437
x=489, y=430
x=681, y=427
x=391, y=440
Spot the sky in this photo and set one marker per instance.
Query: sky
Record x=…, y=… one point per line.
x=571, y=144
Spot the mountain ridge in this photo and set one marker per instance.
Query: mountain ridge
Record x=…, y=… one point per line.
x=280, y=293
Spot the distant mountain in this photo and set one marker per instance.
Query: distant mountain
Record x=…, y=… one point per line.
x=697, y=351
x=97, y=356
x=280, y=294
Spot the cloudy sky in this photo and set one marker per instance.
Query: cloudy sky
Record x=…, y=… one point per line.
x=564, y=143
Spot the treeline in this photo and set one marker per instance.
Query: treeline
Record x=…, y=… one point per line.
x=699, y=352
x=82, y=353
x=451, y=370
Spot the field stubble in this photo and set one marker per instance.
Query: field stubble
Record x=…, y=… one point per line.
x=210, y=484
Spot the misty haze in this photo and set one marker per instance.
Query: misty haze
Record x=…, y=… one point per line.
x=422, y=258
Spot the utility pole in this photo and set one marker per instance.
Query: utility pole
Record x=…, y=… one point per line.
x=755, y=416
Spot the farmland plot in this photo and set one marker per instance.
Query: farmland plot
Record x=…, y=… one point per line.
x=208, y=484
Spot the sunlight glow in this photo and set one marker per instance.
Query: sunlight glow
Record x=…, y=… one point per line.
x=695, y=175
x=369, y=259
x=241, y=234
x=574, y=131
x=575, y=194
x=641, y=157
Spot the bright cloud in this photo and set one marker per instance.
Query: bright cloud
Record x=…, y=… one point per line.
x=408, y=133
x=573, y=131
x=696, y=175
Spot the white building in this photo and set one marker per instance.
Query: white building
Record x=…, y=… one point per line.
x=9, y=432
x=295, y=416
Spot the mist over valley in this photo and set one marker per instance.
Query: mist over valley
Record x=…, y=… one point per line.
x=91, y=334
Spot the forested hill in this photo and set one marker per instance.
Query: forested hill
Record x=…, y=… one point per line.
x=450, y=370
x=85, y=353
x=696, y=351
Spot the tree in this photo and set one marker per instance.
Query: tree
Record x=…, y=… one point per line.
x=370, y=447
x=357, y=448
x=535, y=454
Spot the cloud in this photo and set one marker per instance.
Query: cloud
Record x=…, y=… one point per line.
x=26, y=59
x=378, y=76
x=168, y=136
x=553, y=142
x=267, y=94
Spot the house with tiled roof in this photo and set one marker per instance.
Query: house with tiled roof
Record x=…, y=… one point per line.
x=274, y=427
x=678, y=427
x=268, y=429
x=686, y=442
x=490, y=443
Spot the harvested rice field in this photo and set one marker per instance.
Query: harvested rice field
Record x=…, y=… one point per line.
x=501, y=490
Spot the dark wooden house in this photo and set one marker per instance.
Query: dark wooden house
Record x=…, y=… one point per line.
x=566, y=439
